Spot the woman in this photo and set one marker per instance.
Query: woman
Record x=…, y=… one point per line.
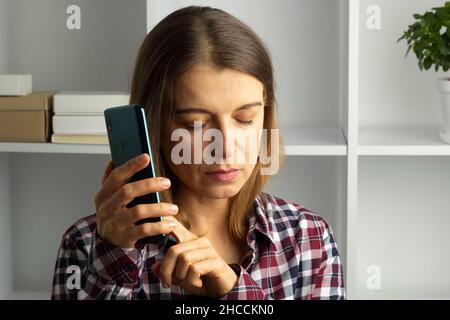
x=198, y=69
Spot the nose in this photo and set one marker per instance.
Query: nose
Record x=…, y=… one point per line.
x=228, y=147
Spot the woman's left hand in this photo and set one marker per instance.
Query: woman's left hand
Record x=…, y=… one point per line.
x=195, y=265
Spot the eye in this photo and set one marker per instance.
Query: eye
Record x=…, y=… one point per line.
x=190, y=125
x=246, y=123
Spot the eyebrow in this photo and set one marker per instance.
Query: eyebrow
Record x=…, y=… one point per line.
x=199, y=110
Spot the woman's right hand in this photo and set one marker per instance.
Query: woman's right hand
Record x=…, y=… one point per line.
x=115, y=222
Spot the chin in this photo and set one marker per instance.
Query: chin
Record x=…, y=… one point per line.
x=219, y=192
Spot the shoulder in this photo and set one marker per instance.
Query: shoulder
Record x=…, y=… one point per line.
x=289, y=219
x=80, y=234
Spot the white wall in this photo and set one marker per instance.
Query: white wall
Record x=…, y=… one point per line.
x=4, y=17
x=100, y=56
x=304, y=48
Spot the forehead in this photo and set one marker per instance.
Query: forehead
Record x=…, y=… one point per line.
x=208, y=88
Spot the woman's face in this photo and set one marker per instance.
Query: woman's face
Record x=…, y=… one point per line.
x=227, y=104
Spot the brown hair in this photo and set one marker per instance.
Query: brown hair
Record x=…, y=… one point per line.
x=200, y=35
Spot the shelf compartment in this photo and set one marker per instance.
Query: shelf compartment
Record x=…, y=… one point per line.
x=402, y=227
x=402, y=141
x=314, y=141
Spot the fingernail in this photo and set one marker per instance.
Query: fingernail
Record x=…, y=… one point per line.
x=173, y=208
x=165, y=285
x=165, y=183
x=171, y=224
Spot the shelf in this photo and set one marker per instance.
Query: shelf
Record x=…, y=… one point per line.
x=53, y=148
x=402, y=141
x=28, y=295
x=314, y=141
x=298, y=141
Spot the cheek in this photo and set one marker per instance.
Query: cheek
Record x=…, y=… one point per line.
x=249, y=144
x=184, y=170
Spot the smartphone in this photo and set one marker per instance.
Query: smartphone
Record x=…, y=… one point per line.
x=128, y=137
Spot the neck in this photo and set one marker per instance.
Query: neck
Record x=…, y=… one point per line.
x=204, y=213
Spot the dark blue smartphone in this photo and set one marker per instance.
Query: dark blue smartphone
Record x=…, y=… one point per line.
x=128, y=137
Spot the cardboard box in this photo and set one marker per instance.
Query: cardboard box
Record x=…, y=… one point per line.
x=26, y=118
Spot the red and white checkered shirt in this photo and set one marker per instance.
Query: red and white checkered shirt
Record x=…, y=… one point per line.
x=292, y=254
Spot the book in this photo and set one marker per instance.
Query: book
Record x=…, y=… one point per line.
x=15, y=84
x=79, y=139
x=88, y=102
x=92, y=125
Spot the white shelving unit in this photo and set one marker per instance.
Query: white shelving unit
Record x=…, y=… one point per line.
x=398, y=165
x=357, y=120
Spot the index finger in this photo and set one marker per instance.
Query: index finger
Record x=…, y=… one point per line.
x=107, y=172
x=180, y=232
x=120, y=175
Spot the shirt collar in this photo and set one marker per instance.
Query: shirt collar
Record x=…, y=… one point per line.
x=262, y=221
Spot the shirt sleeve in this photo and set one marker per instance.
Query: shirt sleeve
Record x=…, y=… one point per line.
x=99, y=271
x=329, y=284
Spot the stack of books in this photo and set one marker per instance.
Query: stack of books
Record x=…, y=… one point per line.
x=78, y=116
x=25, y=116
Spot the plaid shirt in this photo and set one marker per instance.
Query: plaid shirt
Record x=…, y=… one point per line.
x=292, y=254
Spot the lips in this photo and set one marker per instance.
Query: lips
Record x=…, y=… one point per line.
x=224, y=175
x=222, y=171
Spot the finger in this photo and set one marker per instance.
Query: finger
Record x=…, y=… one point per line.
x=187, y=258
x=192, y=280
x=198, y=289
x=99, y=198
x=135, y=189
x=170, y=259
x=120, y=175
x=148, y=229
x=199, y=269
x=181, y=233
x=107, y=172
x=155, y=268
x=142, y=211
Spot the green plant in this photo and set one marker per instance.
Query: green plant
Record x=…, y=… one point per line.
x=429, y=38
